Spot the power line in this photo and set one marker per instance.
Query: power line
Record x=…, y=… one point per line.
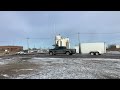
x=39, y=38
x=93, y=33
x=5, y=41
x=100, y=33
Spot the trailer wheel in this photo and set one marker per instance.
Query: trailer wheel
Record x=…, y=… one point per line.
x=67, y=53
x=97, y=53
x=51, y=53
x=91, y=53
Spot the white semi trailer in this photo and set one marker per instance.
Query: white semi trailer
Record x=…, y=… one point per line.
x=92, y=48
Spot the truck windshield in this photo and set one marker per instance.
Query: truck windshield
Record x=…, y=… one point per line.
x=60, y=47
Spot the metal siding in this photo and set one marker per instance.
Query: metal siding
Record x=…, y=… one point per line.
x=87, y=47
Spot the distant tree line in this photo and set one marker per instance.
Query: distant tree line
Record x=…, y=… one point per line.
x=113, y=48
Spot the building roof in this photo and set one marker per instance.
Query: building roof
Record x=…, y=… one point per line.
x=11, y=46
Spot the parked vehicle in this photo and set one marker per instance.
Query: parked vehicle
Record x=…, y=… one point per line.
x=62, y=50
x=92, y=48
x=21, y=52
x=6, y=52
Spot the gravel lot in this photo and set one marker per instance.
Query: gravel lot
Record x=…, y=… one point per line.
x=59, y=68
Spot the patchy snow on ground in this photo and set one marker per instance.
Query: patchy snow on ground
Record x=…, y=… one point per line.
x=23, y=70
x=5, y=75
x=1, y=63
x=65, y=68
x=6, y=61
x=113, y=52
x=100, y=59
x=46, y=61
x=74, y=68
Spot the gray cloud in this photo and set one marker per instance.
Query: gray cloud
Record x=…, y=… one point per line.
x=16, y=25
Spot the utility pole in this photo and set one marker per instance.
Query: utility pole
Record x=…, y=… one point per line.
x=13, y=43
x=79, y=43
x=34, y=45
x=28, y=43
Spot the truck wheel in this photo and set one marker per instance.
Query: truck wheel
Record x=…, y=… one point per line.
x=91, y=53
x=97, y=53
x=51, y=53
x=67, y=53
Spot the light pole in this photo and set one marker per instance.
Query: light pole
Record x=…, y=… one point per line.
x=28, y=43
x=79, y=43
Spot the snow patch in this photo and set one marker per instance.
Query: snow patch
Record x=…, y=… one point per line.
x=1, y=63
x=47, y=58
x=9, y=59
x=26, y=69
x=23, y=70
x=113, y=52
x=105, y=59
x=5, y=75
x=38, y=58
x=72, y=68
x=22, y=75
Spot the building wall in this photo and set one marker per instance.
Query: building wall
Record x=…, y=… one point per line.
x=11, y=48
x=117, y=46
x=60, y=41
x=77, y=49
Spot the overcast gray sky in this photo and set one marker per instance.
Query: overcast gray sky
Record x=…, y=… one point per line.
x=42, y=26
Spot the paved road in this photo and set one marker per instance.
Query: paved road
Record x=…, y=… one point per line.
x=113, y=56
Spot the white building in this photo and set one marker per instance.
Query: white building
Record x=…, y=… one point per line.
x=60, y=41
x=117, y=46
x=77, y=48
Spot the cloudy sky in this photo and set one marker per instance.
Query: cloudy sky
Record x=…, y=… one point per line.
x=42, y=26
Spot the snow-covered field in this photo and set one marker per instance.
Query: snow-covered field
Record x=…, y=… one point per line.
x=6, y=61
x=75, y=68
x=113, y=52
x=67, y=68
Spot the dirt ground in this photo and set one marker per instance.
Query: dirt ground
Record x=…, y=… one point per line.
x=16, y=68
x=32, y=67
